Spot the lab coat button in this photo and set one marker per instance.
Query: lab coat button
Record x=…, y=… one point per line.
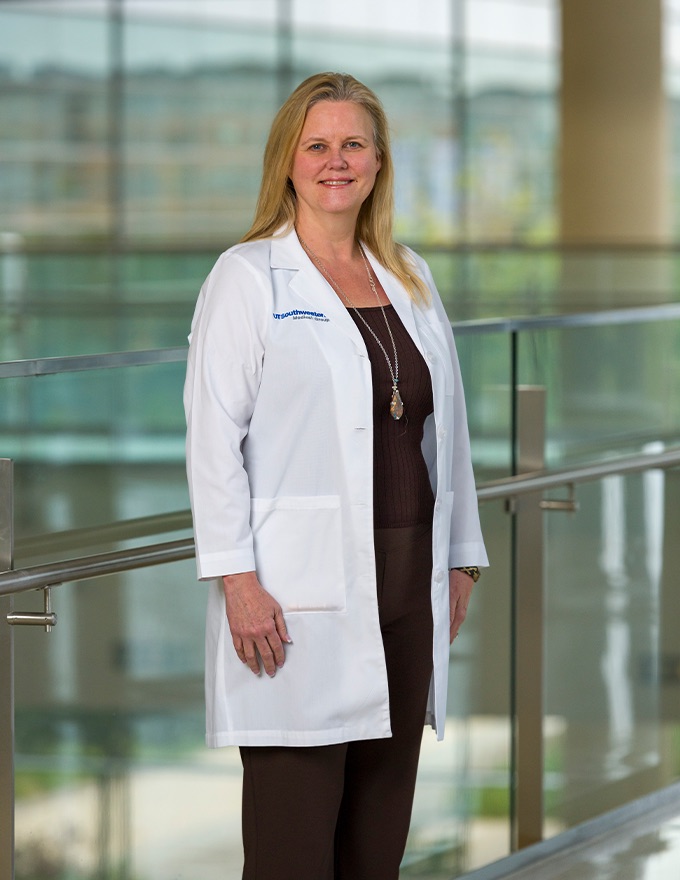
x=441, y=433
x=430, y=356
x=439, y=576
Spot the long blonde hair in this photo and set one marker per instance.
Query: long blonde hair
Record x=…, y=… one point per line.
x=277, y=202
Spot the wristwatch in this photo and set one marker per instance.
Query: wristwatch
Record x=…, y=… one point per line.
x=472, y=570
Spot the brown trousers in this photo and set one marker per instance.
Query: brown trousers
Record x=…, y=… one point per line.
x=342, y=812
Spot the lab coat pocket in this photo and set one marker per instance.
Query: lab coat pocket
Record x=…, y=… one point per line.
x=298, y=551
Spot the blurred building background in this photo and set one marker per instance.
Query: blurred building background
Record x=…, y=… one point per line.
x=537, y=168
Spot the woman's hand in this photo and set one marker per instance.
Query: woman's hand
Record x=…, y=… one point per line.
x=256, y=622
x=460, y=590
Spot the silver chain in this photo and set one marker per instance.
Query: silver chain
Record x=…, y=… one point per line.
x=394, y=373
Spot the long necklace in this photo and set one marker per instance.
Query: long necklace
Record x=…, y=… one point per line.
x=396, y=403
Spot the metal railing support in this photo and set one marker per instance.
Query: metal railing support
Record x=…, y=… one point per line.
x=6, y=677
x=528, y=626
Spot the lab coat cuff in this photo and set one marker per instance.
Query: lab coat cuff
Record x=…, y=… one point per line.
x=472, y=553
x=215, y=565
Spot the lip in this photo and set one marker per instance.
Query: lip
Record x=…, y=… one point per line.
x=337, y=182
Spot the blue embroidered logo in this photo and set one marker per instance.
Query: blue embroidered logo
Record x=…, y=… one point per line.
x=300, y=314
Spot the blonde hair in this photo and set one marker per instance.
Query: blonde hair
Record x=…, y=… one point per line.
x=277, y=202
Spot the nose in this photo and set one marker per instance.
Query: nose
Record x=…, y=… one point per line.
x=336, y=158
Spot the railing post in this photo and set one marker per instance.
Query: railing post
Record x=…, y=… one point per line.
x=6, y=677
x=528, y=624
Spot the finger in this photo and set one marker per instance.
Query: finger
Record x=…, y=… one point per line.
x=276, y=646
x=267, y=655
x=270, y=645
x=238, y=647
x=279, y=637
x=281, y=628
x=459, y=615
x=251, y=657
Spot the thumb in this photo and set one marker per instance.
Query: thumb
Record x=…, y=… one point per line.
x=280, y=623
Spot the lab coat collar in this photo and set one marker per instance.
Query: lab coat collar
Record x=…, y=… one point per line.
x=288, y=253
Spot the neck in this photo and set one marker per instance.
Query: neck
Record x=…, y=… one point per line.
x=334, y=242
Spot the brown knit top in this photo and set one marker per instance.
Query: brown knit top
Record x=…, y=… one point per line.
x=402, y=494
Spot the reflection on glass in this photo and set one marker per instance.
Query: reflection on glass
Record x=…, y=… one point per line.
x=608, y=592
x=610, y=389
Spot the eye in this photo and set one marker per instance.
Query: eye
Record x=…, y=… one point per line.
x=316, y=148
x=353, y=145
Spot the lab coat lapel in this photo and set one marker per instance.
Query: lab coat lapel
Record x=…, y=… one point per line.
x=402, y=302
x=421, y=323
x=308, y=283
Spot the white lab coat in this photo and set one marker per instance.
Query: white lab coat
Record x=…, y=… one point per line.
x=278, y=399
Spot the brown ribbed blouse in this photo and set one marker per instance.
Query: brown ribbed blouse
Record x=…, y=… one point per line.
x=402, y=494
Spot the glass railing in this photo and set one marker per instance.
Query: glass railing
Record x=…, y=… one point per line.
x=57, y=301
x=112, y=777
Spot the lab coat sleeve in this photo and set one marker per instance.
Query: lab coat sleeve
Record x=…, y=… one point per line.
x=466, y=543
x=226, y=354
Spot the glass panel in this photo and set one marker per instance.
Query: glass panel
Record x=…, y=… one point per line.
x=199, y=97
x=54, y=171
x=112, y=776
x=622, y=278
x=499, y=283
x=92, y=448
x=510, y=76
x=529, y=24
x=610, y=389
x=612, y=726
x=485, y=363
x=461, y=816
x=496, y=281
x=84, y=303
x=378, y=19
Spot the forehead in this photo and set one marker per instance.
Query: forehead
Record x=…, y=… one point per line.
x=337, y=117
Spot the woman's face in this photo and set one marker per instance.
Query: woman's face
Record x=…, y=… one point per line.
x=335, y=162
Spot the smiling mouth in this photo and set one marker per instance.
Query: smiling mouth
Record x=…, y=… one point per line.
x=335, y=182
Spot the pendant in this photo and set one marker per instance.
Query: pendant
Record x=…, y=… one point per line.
x=396, y=404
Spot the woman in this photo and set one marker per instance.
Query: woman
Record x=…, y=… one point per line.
x=333, y=498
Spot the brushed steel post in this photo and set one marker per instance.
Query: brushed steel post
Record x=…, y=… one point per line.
x=6, y=677
x=528, y=625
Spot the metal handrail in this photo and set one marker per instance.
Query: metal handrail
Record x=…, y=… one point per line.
x=40, y=576
x=108, y=533
x=537, y=481
x=50, y=366
x=37, y=577
x=605, y=317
